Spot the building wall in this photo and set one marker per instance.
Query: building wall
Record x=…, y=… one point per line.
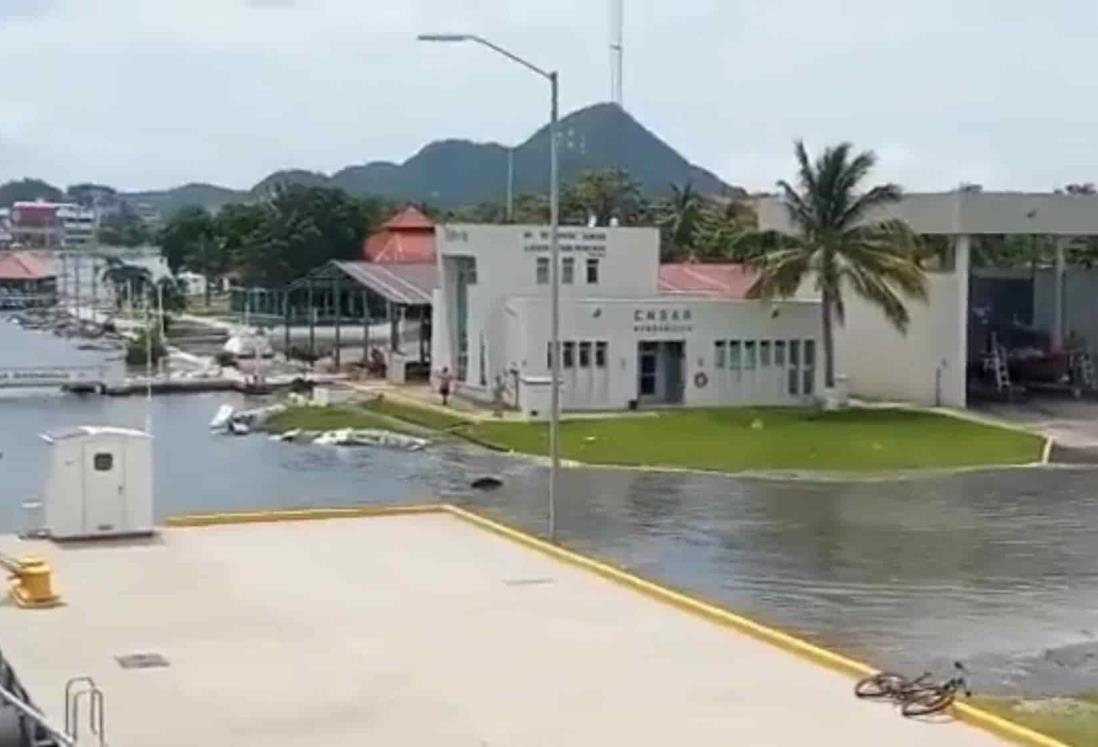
x=926, y=365
x=506, y=265
x=700, y=323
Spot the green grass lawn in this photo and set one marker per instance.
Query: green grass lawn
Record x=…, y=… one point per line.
x=1073, y=721
x=421, y=416
x=736, y=440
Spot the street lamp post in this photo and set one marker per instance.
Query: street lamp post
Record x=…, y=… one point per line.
x=554, y=259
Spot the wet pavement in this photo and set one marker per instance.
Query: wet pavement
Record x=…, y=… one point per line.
x=996, y=568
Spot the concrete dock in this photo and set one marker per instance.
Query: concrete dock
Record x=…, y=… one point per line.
x=411, y=630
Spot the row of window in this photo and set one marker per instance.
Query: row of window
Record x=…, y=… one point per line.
x=749, y=354
x=568, y=270
x=582, y=354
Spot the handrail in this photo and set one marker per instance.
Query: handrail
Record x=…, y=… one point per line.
x=37, y=716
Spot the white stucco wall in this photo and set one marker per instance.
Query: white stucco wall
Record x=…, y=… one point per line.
x=506, y=265
x=698, y=322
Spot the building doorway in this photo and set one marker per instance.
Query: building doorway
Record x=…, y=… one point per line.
x=660, y=371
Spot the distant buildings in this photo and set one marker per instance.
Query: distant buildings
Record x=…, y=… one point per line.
x=26, y=280
x=51, y=225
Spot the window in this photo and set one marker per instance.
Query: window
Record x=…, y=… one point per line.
x=585, y=355
x=794, y=353
x=549, y=355
x=567, y=270
x=600, y=354
x=718, y=353
x=734, y=355
x=764, y=354
x=592, y=270
x=568, y=356
x=809, y=380
x=779, y=353
x=809, y=353
x=749, y=354
x=543, y=271
x=793, y=382
x=103, y=462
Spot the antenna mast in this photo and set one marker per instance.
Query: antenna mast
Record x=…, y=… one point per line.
x=616, y=50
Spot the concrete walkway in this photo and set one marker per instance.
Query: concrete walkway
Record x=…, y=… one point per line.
x=416, y=630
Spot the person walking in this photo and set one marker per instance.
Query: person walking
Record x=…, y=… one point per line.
x=445, y=379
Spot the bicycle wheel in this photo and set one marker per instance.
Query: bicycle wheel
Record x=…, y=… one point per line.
x=930, y=702
x=879, y=686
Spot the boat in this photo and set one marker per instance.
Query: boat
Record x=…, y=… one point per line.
x=371, y=437
x=221, y=417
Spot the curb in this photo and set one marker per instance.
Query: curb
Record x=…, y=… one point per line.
x=297, y=514
x=791, y=644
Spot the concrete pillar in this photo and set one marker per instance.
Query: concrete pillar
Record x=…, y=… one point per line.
x=951, y=386
x=365, y=327
x=1058, y=293
x=337, y=294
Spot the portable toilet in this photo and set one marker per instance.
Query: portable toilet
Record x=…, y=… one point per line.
x=99, y=483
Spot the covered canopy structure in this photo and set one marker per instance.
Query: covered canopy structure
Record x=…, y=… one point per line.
x=365, y=293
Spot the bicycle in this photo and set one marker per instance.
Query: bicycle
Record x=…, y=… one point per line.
x=916, y=697
x=938, y=697
x=891, y=686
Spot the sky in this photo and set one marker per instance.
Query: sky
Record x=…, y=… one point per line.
x=145, y=94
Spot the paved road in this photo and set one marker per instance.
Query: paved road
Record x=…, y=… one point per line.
x=419, y=630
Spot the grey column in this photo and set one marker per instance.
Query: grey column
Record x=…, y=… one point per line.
x=337, y=292
x=1062, y=243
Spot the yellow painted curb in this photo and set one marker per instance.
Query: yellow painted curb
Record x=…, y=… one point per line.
x=975, y=716
x=298, y=514
x=964, y=712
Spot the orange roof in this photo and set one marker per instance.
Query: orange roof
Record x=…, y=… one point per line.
x=23, y=266
x=409, y=219
x=725, y=280
x=406, y=238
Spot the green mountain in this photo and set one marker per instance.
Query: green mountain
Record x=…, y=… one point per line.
x=447, y=173
x=168, y=201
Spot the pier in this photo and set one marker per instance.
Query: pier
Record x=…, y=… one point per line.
x=417, y=629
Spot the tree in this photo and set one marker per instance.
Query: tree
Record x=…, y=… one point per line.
x=304, y=227
x=28, y=190
x=679, y=220
x=190, y=241
x=123, y=228
x=842, y=244
x=604, y=194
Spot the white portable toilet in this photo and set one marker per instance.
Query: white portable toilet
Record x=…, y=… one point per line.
x=99, y=483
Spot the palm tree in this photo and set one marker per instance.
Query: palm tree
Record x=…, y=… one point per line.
x=680, y=219
x=842, y=243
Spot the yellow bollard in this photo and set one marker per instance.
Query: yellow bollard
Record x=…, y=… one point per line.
x=31, y=584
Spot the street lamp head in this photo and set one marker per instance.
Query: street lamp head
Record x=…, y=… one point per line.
x=444, y=37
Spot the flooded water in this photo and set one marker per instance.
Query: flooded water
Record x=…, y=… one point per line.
x=997, y=569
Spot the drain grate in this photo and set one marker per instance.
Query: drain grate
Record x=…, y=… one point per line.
x=533, y=581
x=141, y=661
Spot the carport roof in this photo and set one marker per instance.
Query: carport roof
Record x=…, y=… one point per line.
x=403, y=284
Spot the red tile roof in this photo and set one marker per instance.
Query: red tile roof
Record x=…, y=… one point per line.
x=406, y=238
x=725, y=280
x=410, y=218
x=23, y=266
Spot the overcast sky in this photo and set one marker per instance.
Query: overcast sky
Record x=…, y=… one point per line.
x=154, y=93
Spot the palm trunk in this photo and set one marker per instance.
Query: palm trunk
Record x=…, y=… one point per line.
x=828, y=341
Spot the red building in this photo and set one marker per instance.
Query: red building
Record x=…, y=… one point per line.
x=406, y=238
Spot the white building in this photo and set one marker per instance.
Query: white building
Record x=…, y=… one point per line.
x=945, y=342
x=624, y=343
x=52, y=225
